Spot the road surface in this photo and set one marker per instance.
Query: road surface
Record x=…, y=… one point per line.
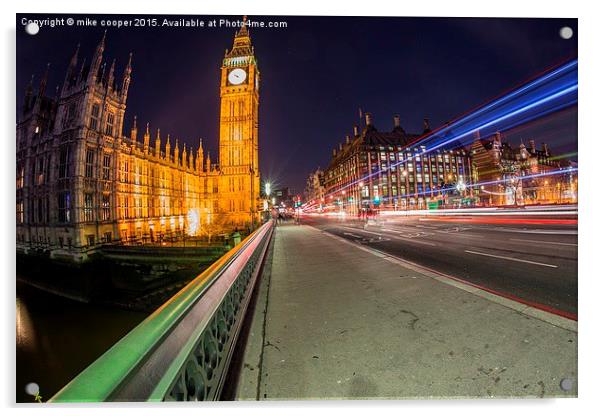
x=531, y=259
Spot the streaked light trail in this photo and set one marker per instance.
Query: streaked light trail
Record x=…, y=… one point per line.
x=472, y=185
x=549, y=93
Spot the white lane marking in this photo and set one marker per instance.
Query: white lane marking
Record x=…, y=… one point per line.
x=454, y=230
x=543, y=242
x=462, y=284
x=353, y=235
x=362, y=231
x=431, y=227
x=511, y=258
x=406, y=234
x=393, y=236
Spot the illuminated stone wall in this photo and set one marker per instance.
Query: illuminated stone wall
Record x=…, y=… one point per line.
x=239, y=123
x=81, y=182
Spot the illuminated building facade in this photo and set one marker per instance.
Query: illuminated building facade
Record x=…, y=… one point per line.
x=239, y=124
x=521, y=175
x=382, y=170
x=82, y=183
x=314, y=187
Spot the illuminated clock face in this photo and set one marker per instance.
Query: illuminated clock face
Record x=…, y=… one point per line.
x=237, y=76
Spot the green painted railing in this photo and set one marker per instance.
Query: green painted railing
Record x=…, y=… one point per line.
x=183, y=349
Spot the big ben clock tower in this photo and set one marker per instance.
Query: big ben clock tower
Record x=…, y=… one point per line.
x=238, y=142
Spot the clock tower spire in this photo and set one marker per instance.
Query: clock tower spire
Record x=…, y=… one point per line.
x=238, y=139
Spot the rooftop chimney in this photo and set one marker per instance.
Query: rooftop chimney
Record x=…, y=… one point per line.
x=340, y=146
x=347, y=139
x=396, y=121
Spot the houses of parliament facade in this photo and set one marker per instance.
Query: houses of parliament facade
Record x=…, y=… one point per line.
x=81, y=183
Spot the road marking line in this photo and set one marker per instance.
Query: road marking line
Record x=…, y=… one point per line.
x=353, y=235
x=362, y=231
x=544, y=242
x=426, y=243
x=544, y=313
x=511, y=258
x=394, y=236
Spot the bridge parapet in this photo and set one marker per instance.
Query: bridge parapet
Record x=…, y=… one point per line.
x=182, y=350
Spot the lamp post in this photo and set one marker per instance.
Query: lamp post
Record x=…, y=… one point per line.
x=267, y=190
x=461, y=188
x=358, y=198
x=515, y=187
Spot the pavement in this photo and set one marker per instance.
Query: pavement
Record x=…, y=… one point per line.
x=337, y=320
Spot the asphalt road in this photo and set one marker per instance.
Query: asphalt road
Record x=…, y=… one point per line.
x=532, y=259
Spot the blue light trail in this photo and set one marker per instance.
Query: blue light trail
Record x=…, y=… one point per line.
x=551, y=92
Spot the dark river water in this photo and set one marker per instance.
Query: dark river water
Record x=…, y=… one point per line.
x=57, y=338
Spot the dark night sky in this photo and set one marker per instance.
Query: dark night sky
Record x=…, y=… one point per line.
x=315, y=75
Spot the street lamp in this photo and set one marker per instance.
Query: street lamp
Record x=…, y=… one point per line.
x=461, y=186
